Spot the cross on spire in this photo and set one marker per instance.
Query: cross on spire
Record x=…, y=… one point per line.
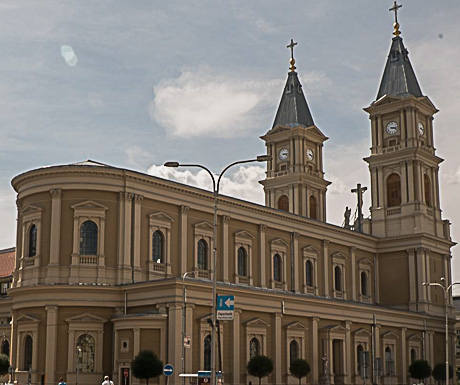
x=394, y=9
x=292, y=61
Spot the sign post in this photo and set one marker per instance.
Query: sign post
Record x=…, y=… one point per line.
x=168, y=371
x=225, y=307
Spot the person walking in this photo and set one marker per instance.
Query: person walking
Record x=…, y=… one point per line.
x=107, y=381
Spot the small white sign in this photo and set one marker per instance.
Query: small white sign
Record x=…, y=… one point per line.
x=225, y=315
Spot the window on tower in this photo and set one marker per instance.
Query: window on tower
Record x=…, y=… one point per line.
x=427, y=185
x=283, y=203
x=393, y=190
x=313, y=209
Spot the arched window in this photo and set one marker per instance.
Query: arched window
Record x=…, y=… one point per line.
x=389, y=363
x=277, y=266
x=27, y=353
x=242, y=261
x=364, y=283
x=157, y=246
x=88, y=238
x=309, y=273
x=6, y=348
x=283, y=203
x=207, y=353
x=394, y=190
x=359, y=357
x=293, y=351
x=338, y=278
x=313, y=209
x=427, y=184
x=33, y=241
x=86, y=350
x=254, y=348
x=202, y=255
x=413, y=355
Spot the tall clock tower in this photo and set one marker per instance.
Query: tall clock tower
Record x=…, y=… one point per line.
x=295, y=178
x=403, y=162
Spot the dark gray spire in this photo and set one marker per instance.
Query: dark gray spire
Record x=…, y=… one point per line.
x=398, y=77
x=293, y=108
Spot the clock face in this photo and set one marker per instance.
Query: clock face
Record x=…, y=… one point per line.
x=392, y=128
x=310, y=154
x=421, y=129
x=283, y=154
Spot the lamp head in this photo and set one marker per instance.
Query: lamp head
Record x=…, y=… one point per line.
x=424, y=283
x=171, y=164
x=263, y=158
x=443, y=279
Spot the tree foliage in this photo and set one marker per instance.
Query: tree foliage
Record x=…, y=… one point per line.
x=439, y=372
x=260, y=366
x=420, y=369
x=146, y=365
x=4, y=364
x=299, y=368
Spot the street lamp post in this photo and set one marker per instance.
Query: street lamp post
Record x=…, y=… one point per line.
x=184, y=315
x=446, y=289
x=215, y=191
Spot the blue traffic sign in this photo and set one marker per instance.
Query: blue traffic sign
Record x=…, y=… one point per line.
x=225, y=302
x=168, y=370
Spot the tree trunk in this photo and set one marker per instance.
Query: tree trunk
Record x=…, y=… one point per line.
x=260, y=380
x=300, y=380
x=147, y=381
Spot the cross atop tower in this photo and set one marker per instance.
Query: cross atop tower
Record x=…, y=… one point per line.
x=394, y=9
x=292, y=61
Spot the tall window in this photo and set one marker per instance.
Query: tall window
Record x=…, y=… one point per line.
x=309, y=273
x=338, y=278
x=389, y=363
x=359, y=358
x=277, y=266
x=88, y=238
x=27, y=353
x=33, y=241
x=364, y=283
x=6, y=348
x=254, y=348
x=207, y=353
x=427, y=184
x=413, y=355
x=86, y=350
x=313, y=208
x=293, y=351
x=202, y=255
x=157, y=246
x=242, y=261
x=394, y=190
x=283, y=203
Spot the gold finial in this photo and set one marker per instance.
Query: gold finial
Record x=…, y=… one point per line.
x=292, y=61
x=394, y=9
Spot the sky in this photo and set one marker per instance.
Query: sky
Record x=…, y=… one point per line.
x=135, y=84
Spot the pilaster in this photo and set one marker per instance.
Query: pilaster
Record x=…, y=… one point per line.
x=353, y=272
x=183, y=226
x=277, y=348
x=326, y=267
x=174, y=339
x=314, y=350
x=225, y=259
x=403, y=379
x=55, y=230
x=412, y=280
x=51, y=344
x=262, y=255
x=236, y=347
x=349, y=351
x=295, y=262
x=137, y=237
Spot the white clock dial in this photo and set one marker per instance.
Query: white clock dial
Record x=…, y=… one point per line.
x=310, y=154
x=283, y=154
x=392, y=128
x=421, y=129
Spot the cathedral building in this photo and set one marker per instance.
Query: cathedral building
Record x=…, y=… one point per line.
x=111, y=261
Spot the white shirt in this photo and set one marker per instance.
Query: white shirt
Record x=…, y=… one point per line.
x=107, y=382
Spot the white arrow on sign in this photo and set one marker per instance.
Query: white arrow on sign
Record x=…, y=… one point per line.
x=229, y=302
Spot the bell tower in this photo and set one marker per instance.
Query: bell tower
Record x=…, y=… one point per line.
x=295, y=178
x=403, y=162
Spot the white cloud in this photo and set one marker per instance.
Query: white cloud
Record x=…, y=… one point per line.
x=242, y=184
x=200, y=103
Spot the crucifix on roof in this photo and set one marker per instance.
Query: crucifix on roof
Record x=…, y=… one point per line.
x=292, y=61
x=394, y=9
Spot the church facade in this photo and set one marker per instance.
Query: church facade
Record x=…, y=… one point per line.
x=111, y=261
